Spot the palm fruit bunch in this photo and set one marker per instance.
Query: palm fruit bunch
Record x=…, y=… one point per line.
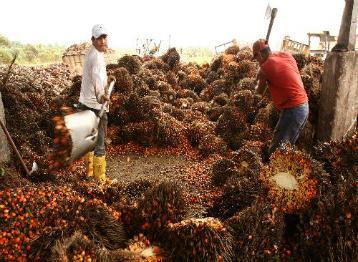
x=245, y=101
x=247, y=83
x=205, y=239
x=62, y=142
x=222, y=170
x=218, y=87
x=169, y=131
x=268, y=115
x=202, y=107
x=183, y=103
x=300, y=60
x=339, y=158
x=221, y=99
x=214, y=112
x=75, y=248
x=171, y=58
x=148, y=77
x=211, y=144
x=26, y=213
x=329, y=228
x=259, y=132
x=171, y=79
x=246, y=68
x=187, y=93
x=240, y=191
x=232, y=127
x=142, y=132
x=247, y=162
x=136, y=189
x=291, y=179
x=143, y=250
x=197, y=130
x=232, y=71
x=194, y=82
x=160, y=206
x=124, y=83
x=104, y=228
x=232, y=50
x=244, y=54
x=258, y=231
x=156, y=65
x=216, y=63
x=211, y=77
x=131, y=62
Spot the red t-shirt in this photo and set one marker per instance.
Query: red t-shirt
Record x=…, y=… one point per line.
x=284, y=80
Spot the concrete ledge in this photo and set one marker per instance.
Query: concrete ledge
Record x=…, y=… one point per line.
x=4, y=147
x=339, y=96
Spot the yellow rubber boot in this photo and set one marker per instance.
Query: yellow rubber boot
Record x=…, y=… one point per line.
x=99, y=167
x=89, y=163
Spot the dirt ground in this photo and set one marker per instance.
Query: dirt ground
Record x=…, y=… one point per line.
x=130, y=167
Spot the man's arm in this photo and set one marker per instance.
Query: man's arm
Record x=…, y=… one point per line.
x=262, y=83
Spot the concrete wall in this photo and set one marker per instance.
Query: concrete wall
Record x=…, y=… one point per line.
x=4, y=147
x=339, y=96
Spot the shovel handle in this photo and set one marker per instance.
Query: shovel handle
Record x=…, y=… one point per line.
x=14, y=148
x=105, y=104
x=273, y=15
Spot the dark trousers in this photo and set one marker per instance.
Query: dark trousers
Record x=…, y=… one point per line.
x=289, y=126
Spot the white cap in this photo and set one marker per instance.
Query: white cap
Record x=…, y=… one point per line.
x=98, y=30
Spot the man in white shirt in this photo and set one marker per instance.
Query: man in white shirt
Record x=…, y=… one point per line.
x=93, y=95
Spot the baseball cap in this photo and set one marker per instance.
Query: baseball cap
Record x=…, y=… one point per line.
x=98, y=30
x=258, y=46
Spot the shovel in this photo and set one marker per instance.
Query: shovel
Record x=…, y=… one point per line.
x=34, y=164
x=83, y=128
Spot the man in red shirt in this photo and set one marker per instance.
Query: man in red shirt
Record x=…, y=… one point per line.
x=279, y=72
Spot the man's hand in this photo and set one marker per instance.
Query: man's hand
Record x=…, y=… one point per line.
x=110, y=78
x=104, y=99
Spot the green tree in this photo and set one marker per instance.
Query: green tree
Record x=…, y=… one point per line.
x=4, y=42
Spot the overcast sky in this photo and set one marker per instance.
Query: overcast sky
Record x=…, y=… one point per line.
x=188, y=22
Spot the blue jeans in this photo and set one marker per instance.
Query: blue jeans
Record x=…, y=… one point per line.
x=289, y=126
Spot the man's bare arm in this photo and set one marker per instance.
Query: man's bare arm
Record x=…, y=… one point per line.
x=261, y=83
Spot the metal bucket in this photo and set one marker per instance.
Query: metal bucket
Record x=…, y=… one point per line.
x=83, y=128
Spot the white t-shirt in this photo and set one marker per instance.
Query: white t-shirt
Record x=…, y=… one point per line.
x=94, y=79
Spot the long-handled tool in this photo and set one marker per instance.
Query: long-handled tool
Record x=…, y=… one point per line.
x=272, y=16
x=83, y=128
x=11, y=142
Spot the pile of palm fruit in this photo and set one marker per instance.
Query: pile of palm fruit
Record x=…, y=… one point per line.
x=300, y=205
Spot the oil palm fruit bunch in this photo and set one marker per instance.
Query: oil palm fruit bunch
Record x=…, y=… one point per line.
x=338, y=157
x=74, y=248
x=160, y=206
x=142, y=132
x=216, y=63
x=62, y=142
x=291, y=179
x=124, y=83
x=197, y=130
x=247, y=162
x=131, y=62
x=211, y=144
x=240, y=191
x=205, y=239
x=258, y=231
x=169, y=131
x=244, y=54
x=300, y=60
x=222, y=170
x=328, y=228
x=246, y=68
x=247, y=83
x=232, y=50
x=144, y=250
x=171, y=57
